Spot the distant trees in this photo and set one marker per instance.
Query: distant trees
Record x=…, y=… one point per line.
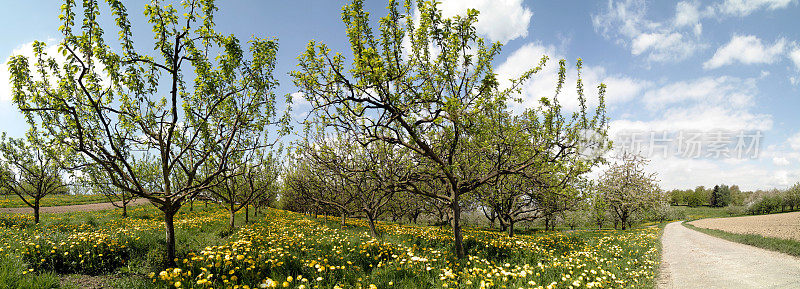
x=248, y=178
x=774, y=201
x=628, y=190
x=31, y=170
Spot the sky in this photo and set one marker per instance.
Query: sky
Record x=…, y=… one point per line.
x=708, y=90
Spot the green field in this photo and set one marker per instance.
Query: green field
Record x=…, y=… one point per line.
x=13, y=201
x=287, y=249
x=702, y=212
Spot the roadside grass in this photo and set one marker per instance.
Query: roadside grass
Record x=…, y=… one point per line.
x=280, y=244
x=13, y=201
x=786, y=246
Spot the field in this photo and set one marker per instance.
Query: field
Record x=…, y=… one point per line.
x=702, y=212
x=783, y=226
x=284, y=249
x=13, y=201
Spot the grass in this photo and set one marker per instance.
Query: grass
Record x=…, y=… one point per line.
x=786, y=246
x=13, y=201
x=702, y=212
x=314, y=252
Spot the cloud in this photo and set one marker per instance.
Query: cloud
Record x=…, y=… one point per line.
x=620, y=88
x=780, y=161
x=750, y=175
x=500, y=21
x=686, y=14
x=726, y=91
x=626, y=23
x=722, y=103
x=745, y=7
x=746, y=49
x=26, y=49
x=794, y=141
x=795, y=57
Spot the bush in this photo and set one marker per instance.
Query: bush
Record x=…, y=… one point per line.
x=735, y=210
x=765, y=205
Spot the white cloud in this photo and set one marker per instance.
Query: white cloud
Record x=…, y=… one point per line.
x=499, y=20
x=620, y=88
x=749, y=175
x=794, y=141
x=746, y=49
x=727, y=91
x=686, y=14
x=780, y=161
x=722, y=103
x=745, y=7
x=795, y=57
x=697, y=118
x=625, y=22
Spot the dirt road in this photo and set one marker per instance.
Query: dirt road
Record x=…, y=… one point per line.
x=72, y=208
x=695, y=260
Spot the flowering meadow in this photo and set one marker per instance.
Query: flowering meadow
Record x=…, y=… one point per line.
x=281, y=249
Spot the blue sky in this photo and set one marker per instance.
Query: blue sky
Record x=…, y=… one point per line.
x=728, y=66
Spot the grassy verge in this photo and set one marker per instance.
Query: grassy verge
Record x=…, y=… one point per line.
x=790, y=247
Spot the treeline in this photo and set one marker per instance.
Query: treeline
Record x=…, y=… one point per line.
x=718, y=196
x=750, y=202
x=774, y=201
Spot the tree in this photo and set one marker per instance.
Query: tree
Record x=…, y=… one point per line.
x=31, y=170
x=99, y=182
x=697, y=198
x=249, y=176
x=720, y=196
x=627, y=189
x=120, y=107
x=429, y=97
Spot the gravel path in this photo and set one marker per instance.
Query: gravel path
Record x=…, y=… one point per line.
x=692, y=259
x=72, y=208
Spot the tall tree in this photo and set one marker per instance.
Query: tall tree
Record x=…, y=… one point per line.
x=423, y=86
x=628, y=189
x=119, y=107
x=31, y=170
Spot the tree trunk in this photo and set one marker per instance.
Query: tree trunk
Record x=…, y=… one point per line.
x=124, y=210
x=191, y=205
x=511, y=229
x=169, y=223
x=372, y=231
x=456, y=221
x=344, y=216
x=246, y=214
x=36, y=212
x=232, y=221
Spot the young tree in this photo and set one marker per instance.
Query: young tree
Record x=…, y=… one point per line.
x=426, y=97
x=627, y=189
x=118, y=107
x=249, y=176
x=31, y=170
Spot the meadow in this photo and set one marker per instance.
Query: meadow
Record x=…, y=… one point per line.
x=286, y=249
x=13, y=201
